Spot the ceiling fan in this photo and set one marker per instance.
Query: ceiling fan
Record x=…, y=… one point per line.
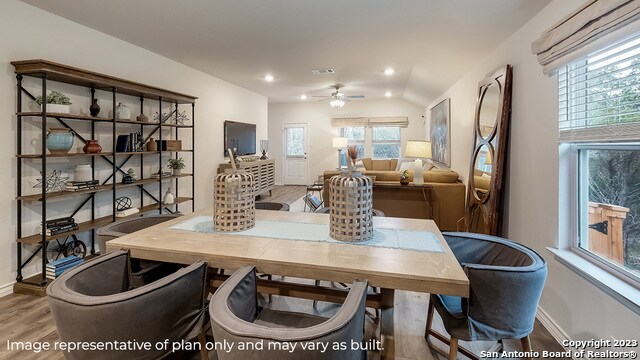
x=338, y=98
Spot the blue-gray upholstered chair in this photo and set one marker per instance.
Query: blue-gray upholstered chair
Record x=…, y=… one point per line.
x=236, y=317
x=94, y=303
x=506, y=281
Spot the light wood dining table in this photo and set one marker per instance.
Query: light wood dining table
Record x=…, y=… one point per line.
x=388, y=269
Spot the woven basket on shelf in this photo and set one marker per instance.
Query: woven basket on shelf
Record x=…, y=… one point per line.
x=350, y=197
x=234, y=201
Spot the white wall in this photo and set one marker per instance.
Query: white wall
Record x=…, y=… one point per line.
x=582, y=310
x=30, y=33
x=318, y=115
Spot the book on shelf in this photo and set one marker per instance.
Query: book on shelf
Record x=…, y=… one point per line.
x=82, y=183
x=127, y=212
x=81, y=187
x=53, y=223
x=62, y=229
x=63, y=261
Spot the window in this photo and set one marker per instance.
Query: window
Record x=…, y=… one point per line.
x=385, y=142
x=355, y=134
x=599, y=117
x=295, y=142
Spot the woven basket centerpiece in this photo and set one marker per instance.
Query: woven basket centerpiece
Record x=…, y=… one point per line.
x=350, y=197
x=234, y=201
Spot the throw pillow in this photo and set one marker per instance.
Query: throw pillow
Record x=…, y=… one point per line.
x=406, y=165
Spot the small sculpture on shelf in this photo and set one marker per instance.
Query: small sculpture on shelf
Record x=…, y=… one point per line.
x=132, y=173
x=179, y=116
x=92, y=147
x=142, y=118
x=152, y=145
x=123, y=112
x=123, y=207
x=94, y=109
x=404, y=178
x=127, y=179
x=54, y=181
x=139, y=142
x=168, y=197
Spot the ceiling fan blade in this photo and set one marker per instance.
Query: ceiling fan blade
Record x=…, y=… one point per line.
x=356, y=96
x=320, y=96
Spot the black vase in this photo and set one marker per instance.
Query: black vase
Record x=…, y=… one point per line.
x=94, y=109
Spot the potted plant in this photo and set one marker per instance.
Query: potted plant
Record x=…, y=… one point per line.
x=404, y=178
x=176, y=165
x=56, y=103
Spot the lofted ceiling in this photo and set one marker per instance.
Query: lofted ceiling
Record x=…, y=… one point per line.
x=430, y=43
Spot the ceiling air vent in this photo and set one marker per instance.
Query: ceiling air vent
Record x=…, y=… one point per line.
x=322, y=71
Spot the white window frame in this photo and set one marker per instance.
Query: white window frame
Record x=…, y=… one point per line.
x=578, y=213
x=387, y=142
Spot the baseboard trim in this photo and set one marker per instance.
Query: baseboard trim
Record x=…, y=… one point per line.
x=6, y=289
x=553, y=328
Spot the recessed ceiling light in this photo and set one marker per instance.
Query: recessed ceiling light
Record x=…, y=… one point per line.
x=388, y=94
x=303, y=97
x=268, y=78
x=389, y=71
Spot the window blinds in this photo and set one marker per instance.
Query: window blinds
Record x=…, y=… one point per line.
x=599, y=96
x=348, y=122
x=591, y=27
x=400, y=121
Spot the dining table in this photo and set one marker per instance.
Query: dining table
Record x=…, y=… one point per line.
x=191, y=238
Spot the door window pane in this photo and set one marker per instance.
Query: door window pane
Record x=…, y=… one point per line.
x=295, y=142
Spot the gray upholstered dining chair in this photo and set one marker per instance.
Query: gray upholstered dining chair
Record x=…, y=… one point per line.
x=506, y=281
x=127, y=226
x=94, y=303
x=143, y=271
x=236, y=317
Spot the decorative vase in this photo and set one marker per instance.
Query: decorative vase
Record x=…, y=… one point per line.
x=168, y=197
x=234, y=205
x=94, y=109
x=351, y=215
x=177, y=172
x=152, y=145
x=82, y=173
x=92, y=147
x=142, y=118
x=59, y=141
x=123, y=112
x=58, y=109
x=404, y=181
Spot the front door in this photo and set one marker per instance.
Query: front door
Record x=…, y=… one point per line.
x=295, y=154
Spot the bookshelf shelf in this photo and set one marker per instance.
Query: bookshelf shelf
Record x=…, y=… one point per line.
x=99, y=188
x=114, y=162
x=98, y=223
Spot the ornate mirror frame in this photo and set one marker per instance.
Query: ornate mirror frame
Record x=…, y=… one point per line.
x=484, y=192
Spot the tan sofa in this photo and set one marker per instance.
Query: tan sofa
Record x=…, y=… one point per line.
x=447, y=193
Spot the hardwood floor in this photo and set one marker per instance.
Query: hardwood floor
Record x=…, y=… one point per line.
x=28, y=319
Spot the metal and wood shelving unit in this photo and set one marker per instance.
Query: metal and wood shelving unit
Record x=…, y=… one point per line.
x=49, y=71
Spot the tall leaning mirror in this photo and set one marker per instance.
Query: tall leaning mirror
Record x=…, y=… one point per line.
x=488, y=154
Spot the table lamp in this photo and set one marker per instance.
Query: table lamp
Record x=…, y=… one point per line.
x=340, y=143
x=418, y=149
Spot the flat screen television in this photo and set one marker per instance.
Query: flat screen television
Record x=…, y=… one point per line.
x=241, y=136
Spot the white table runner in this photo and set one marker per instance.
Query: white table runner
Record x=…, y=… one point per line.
x=382, y=237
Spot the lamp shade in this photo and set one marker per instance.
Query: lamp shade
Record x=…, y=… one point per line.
x=418, y=149
x=340, y=142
